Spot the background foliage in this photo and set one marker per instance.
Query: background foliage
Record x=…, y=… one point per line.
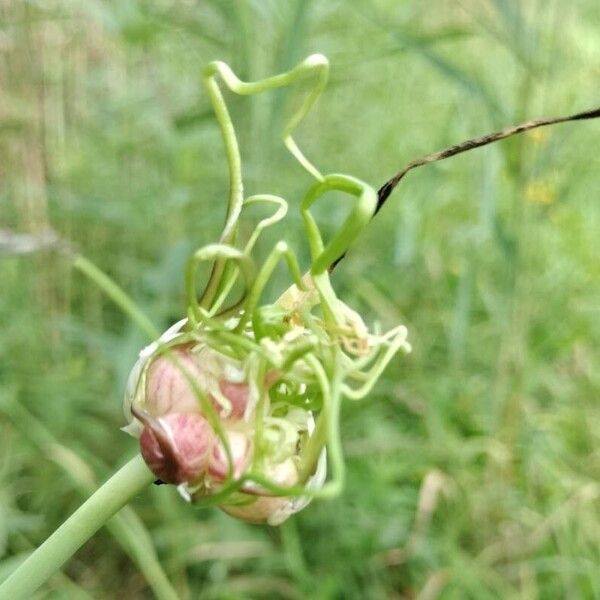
x=474, y=465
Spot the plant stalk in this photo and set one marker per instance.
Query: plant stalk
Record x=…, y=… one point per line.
x=76, y=530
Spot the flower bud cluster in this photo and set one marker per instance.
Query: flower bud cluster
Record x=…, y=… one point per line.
x=195, y=411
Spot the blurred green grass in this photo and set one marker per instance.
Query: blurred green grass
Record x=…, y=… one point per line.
x=473, y=468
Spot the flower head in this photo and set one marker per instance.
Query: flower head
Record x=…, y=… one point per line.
x=239, y=404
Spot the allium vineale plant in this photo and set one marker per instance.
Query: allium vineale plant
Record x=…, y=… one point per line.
x=238, y=404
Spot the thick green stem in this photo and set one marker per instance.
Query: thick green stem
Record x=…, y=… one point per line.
x=126, y=527
x=76, y=530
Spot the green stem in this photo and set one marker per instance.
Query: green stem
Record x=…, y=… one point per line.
x=126, y=527
x=76, y=530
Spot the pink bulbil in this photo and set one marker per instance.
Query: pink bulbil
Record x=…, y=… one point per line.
x=263, y=509
x=169, y=390
x=177, y=447
x=240, y=447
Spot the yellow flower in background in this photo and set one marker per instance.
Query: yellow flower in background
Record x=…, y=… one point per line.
x=540, y=192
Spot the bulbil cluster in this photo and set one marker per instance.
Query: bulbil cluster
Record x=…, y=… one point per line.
x=195, y=412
